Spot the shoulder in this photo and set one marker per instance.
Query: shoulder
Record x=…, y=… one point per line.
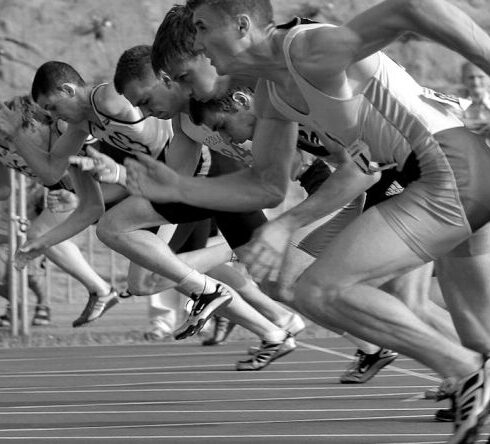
x=325, y=47
x=263, y=106
x=108, y=101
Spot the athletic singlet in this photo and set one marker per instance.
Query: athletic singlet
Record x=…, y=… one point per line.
x=147, y=135
x=213, y=140
x=392, y=116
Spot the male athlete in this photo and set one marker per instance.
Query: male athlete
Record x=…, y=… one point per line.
x=365, y=109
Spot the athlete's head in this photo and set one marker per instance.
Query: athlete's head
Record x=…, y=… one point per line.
x=155, y=96
x=227, y=28
x=232, y=115
x=58, y=88
x=173, y=52
x=475, y=80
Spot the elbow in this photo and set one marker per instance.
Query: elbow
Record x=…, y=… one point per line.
x=273, y=196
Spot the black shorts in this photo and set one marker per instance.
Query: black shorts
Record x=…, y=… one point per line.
x=314, y=176
x=392, y=182
x=190, y=237
x=236, y=228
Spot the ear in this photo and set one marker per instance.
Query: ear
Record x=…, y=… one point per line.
x=242, y=99
x=69, y=88
x=163, y=77
x=244, y=24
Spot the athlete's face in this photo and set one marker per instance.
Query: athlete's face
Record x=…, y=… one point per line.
x=154, y=97
x=62, y=105
x=476, y=81
x=234, y=127
x=218, y=37
x=197, y=75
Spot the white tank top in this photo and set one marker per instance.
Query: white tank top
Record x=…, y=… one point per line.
x=212, y=139
x=388, y=119
x=146, y=135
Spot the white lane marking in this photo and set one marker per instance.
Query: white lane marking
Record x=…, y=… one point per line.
x=245, y=437
x=217, y=381
x=207, y=423
x=207, y=401
x=240, y=411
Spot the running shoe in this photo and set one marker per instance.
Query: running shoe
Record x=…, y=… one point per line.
x=446, y=415
x=366, y=366
x=203, y=308
x=444, y=391
x=42, y=316
x=96, y=307
x=472, y=399
x=222, y=329
x=268, y=352
x=295, y=326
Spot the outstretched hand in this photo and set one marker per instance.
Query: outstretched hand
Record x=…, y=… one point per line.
x=102, y=167
x=264, y=254
x=152, y=179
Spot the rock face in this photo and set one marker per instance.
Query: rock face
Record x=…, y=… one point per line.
x=91, y=35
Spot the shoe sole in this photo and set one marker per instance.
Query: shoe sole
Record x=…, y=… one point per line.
x=370, y=374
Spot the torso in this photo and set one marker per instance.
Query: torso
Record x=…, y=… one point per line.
x=143, y=135
x=383, y=120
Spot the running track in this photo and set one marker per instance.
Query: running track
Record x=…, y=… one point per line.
x=184, y=393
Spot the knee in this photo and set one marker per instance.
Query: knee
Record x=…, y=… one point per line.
x=312, y=292
x=107, y=230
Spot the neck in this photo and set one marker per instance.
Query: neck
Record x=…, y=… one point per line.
x=264, y=59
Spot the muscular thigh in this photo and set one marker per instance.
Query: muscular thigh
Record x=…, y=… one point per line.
x=366, y=250
x=131, y=214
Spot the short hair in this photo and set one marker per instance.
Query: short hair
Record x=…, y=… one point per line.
x=260, y=10
x=224, y=104
x=174, y=40
x=134, y=64
x=50, y=77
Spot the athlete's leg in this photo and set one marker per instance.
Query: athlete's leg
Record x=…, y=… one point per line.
x=67, y=255
x=413, y=289
x=338, y=289
x=465, y=283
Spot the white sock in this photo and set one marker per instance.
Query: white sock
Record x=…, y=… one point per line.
x=275, y=336
x=196, y=283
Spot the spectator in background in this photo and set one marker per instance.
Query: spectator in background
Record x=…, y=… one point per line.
x=477, y=114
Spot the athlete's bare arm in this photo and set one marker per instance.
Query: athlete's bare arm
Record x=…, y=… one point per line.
x=378, y=26
x=50, y=165
x=183, y=153
x=90, y=208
